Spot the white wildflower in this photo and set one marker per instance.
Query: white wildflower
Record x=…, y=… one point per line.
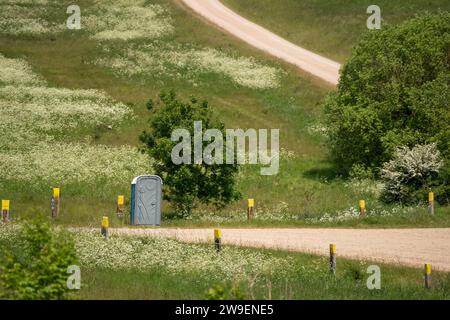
x=186, y=63
x=139, y=253
x=18, y=73
x=125, y=20
x=35, y=117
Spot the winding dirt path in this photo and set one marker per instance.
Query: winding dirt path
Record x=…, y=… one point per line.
x=412, y=247
x=263, y=39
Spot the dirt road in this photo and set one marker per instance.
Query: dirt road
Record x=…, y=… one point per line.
x=265, y=40
x=412, y=247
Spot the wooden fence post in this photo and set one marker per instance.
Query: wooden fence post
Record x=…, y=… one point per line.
x=5, y=211
x=427, y=274
x=431, y=202
x=333, y=258
x=217, y=240
x=105, y=227
x=362, y=208
x=55, y=202
x=250, y=209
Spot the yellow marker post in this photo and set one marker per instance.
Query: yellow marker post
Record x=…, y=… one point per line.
x=120, y=206
x=5, y=204
x=431, y=202
x=55, y=202
x=333, y=258
x=250, y=209
x=5, y=210
x=105, y=226
x=56, y=192
x=362, y=208
x=217, y=239
x=427, y=274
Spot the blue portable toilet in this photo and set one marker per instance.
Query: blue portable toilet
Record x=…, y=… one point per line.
x=146, y=194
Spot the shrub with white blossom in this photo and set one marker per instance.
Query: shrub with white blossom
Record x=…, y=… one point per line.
x=408, y=175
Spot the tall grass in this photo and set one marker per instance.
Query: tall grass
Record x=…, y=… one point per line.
x=307, y=278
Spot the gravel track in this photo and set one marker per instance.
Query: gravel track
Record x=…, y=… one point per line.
x=263, y=39
x=412, y=247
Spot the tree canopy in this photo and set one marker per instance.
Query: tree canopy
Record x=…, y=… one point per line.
x=394, y=92
x=187, y=183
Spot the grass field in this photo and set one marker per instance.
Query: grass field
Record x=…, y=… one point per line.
x=72, y=106
x=138, y=267
x=260, y=93
x=256, y=274
x=330, y=28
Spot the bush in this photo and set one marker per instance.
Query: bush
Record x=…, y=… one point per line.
x=184, y=184
x=394, y=91
x=408, y=176
x=34, y=265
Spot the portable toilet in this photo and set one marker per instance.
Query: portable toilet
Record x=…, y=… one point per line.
x=146, y=200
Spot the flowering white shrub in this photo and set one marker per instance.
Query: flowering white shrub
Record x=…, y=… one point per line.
x=410, y=171
x=187, y=63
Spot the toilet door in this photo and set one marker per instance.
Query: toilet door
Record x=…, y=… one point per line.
x=148, y=201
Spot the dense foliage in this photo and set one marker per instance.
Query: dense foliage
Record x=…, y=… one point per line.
x=184, y=184
x=394, y=91
x=33, y=264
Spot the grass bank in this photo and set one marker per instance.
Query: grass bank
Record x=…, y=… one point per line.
x=308, y=277
x=330, y=28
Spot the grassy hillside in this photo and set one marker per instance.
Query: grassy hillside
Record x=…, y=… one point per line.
x=330, y=28
x=84, y=141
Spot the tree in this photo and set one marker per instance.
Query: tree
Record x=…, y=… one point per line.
x=187, y=183
x=394, y=91
x=34, y=265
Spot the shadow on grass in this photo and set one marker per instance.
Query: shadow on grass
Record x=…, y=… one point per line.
x=325, y=171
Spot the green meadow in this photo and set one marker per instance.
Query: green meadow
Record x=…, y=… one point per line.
x=246, y=89
x=73, y=104
x=138, y=267
x=329, y=28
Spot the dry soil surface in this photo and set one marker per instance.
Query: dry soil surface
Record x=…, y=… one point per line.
x=263, y=39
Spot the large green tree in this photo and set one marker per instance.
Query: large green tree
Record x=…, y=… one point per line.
x=394, y=91
x=186, y=184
